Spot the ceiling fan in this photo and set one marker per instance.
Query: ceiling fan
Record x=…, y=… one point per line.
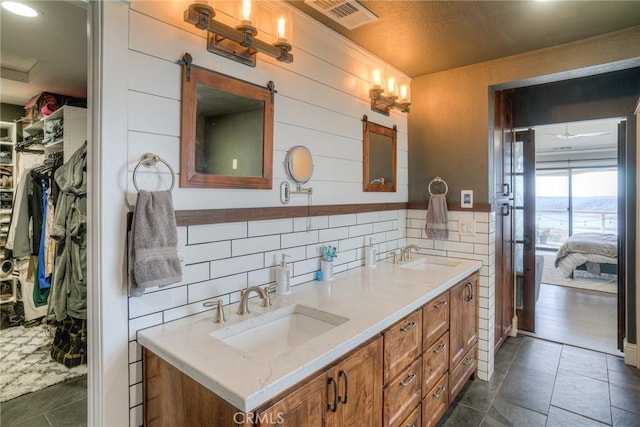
x=566, y=135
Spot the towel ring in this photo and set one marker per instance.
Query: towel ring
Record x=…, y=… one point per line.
x=148, y=160
x=438, y=180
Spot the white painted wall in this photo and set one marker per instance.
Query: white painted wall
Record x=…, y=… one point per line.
x=320, y=102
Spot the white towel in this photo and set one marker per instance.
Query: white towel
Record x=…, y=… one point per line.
x=153, y=243
x=437, y=228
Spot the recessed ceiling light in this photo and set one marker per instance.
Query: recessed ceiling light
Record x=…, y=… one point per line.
x=20, y=9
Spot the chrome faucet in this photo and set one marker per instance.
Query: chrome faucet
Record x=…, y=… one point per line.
x=405, y=253
x=244, y=298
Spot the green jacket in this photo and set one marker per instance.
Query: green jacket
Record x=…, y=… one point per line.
x=69, y=282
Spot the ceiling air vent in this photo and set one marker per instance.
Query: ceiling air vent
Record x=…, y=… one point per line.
x=350, y=14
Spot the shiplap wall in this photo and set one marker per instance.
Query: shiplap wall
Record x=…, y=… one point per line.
x=321, y=98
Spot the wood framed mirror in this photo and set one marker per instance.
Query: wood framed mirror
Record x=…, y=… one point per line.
x=226, y=131
x=379, y=157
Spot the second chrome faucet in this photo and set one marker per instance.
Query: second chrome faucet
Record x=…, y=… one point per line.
x=243, y=308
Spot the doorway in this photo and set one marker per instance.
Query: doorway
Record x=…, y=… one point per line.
x=55, y=392
x=570, y=197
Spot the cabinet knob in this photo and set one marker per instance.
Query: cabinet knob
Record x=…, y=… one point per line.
x=343, y=374
x=409, y=327
x=410, y=378
x=440, y=348
x=438, y=394
x=333, y=407
x=439, y=305
x=467, y=361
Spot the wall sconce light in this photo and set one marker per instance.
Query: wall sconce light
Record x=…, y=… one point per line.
x=383, y=101
x=240, y=43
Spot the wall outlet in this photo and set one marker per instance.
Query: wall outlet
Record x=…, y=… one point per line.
x=467, y=227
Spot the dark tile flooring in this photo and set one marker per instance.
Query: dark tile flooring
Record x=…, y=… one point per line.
x=541, y=383
x=535, y=383
x=60, y=405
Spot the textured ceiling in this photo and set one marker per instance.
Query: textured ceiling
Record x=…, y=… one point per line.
x=423, y=37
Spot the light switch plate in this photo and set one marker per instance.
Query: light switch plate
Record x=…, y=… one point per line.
x=467, y=227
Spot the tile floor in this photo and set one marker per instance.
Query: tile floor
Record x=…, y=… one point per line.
x=541, y=383
x=536, y=383
x=61, y=405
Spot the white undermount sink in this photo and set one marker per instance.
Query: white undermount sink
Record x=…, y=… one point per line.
x=433, y=264
x=279, y=331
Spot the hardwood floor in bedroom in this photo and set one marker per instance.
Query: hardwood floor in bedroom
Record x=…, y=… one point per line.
x=579, y=317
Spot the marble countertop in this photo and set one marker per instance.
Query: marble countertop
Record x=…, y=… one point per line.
x=372, y=299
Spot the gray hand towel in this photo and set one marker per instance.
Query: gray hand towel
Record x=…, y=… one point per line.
x=153, y=243
x=437, y=218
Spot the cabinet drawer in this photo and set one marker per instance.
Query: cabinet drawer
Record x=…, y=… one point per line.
x=435, y=363
x=402, y=344
x=436, y=319
x=403, y=394
x=414, y=419
x=436, y=402
x=461, y=372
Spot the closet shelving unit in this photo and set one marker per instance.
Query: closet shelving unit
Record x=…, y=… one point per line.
x=7, y=142
x=74, y=124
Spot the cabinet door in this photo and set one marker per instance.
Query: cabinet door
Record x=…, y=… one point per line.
x=305, y=407
x=358, y=382
x=402, y=344
x=436, y=319
x=463, y=326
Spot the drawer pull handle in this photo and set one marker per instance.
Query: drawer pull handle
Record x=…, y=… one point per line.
x=411, y=425
x=333, y=407
x=409, y=327
x=439, y=305
x=438, y=394
x=343, y=374
x=411, y=378
x=467, y=361
x=440, y=348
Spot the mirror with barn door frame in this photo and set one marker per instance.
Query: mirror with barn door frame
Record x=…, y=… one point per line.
x=379, y=152
x=226, y=131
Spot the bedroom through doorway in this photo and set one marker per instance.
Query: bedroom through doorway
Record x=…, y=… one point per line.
x=576, y=233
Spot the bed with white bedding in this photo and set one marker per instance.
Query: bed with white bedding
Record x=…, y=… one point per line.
x=595, y=252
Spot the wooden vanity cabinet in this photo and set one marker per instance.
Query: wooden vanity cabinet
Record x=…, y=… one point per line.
x=463, y=333
x=357, y=380
x=305, y=406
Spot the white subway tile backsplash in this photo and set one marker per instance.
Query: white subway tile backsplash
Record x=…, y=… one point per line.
x=352, y=243
x=298, y=239
x=367, y=217
x=262, y=276
x=135, y=351
x=389, y=215
x=216, y=287
x=254, y=245
x=157, y=301
x=136, y=416
x=307, y=266
x=275, y=257
x=453, y=246
x=142, y=323
x=240, y=264
x=195, y=273
x=207, y=252
x=342, y=220
x=379, y=227
x=316, y=222
x=360, y=230
x=333, y=234
x=135, y=394
x=216, y=232
x=271, y=226
x=135, y=373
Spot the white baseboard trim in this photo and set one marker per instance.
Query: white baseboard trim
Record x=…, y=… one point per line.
x=631, y=354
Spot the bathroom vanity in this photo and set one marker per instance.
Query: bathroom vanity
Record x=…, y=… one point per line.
x=390, y=345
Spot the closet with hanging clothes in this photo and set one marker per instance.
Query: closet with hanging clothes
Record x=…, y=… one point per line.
x=47, y=234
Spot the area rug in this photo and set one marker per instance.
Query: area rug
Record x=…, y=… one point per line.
x=26, y=364
x=582, y=279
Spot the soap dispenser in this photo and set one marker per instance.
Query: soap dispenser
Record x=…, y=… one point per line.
x=370, y=255
x=283, y=277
